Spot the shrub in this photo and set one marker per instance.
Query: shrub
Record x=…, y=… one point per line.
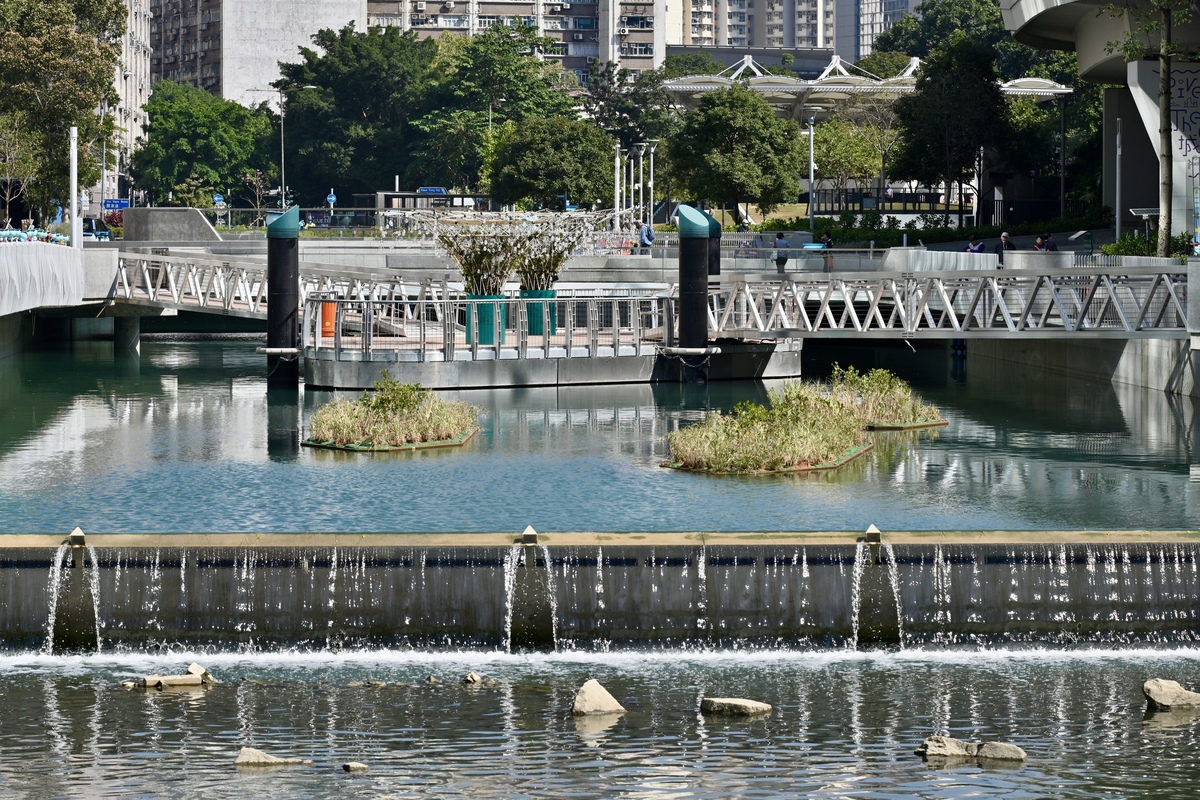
x=880, y=398
x=395, y=414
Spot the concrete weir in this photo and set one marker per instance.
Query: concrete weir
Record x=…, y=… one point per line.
x=596, y=591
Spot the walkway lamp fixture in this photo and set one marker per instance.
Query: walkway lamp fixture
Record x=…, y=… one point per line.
x=282, y=151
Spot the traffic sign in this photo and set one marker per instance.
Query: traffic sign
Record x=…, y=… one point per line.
x=218, y=198
x=331, y=198
x=116, y=204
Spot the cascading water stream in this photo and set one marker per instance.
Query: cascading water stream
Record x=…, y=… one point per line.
x=894, y=579
x=512, y=560
x=93, y=575
x=53, y=588
x=548, y=575
x=860, y=563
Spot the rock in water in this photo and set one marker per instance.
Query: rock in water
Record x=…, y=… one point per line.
x=592, y=698
x=733, y=705
x=250, y=757
x=1163, y=694
x=472, y=678
x=355, y=766
x=997, y=751
x=946, y=747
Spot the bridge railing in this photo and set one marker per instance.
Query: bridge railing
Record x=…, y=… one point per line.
x=481, y=330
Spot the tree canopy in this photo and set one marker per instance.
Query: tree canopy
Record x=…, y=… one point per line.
x=545, y=158
x=196, y=143
x=842, y=152
x=733, y=148
x=57, y=59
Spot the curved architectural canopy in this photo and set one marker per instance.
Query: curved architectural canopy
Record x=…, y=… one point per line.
x=798, y=99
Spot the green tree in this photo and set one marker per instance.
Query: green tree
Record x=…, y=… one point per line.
x=545, y=158
x=843, y=153
x=884, y=63
x=356, y=129
x=20, y=153
x=732, y=148
x=57, y=59
x=195, y=140
x=633, y=108
x=1150, y=33
x=680, y=66
x=956, y=110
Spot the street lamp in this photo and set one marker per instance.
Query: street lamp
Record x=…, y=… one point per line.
x=812, y=174
x=282, y=152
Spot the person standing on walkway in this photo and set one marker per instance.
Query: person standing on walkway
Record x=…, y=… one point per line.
x=974, y=246
x=1048, y=244
x=645, y=237
x=1005, y=244
x=781, y=251
x=827, y=243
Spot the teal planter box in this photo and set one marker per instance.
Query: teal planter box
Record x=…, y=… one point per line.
x=486, y=313
x=534, y=311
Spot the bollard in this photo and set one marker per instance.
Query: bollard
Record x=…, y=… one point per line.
x=714, y=245
x=694, y=240
x=283, y=298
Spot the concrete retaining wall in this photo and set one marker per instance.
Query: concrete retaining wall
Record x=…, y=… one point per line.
x=611, y=593
x=1168, y=365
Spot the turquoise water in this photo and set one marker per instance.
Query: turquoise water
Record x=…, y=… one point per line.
x=186, y=440
x=844, y=725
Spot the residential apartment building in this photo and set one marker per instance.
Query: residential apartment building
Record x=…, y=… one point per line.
x=861, y=21
x=792, y=23
x=233, y=48
x=131, y=80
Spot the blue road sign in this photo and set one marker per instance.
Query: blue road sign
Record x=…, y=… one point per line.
x=218, y=198
x=331, y=198
x=116, y=204
x=431, y=190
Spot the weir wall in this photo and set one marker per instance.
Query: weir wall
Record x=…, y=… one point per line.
x=370, y=591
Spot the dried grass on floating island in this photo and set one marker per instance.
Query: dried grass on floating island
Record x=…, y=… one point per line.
x=396, y=416
x=805, y=427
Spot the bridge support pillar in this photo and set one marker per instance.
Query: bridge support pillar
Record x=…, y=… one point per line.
x=283, y=300
x=127, y=334
x=694, y=237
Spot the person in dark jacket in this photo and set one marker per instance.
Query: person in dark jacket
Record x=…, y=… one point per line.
x=1005, y=244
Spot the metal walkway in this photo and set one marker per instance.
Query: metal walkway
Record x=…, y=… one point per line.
x=385, y=309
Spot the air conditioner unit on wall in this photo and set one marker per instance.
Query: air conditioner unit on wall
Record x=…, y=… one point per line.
x=623, y=32
x=591, y=59
x=420, y=6
x=578, y=37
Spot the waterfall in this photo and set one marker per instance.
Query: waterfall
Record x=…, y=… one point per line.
x=93, y=575
x=512, y=559
x=894, y=580
x=861, y=551
x=53, y=588
x=548, y=573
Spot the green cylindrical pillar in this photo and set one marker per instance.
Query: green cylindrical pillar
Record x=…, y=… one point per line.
x=693, y=277
x=283, y=298
x=714, y=245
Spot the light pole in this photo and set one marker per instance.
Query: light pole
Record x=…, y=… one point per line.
x=1118, y=198
x=641, y=182
x=617, y=187
x=812, y=174
x=282, y=151
x=653, y=144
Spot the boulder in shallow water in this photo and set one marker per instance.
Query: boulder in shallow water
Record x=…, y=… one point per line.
x=205, y=675
x=998, y=751
x=1163, y=694
x=163, y=681
x=946, y=747
x=472, y=679
x=592, y=698
x=735, y=706
x=355, y=766
x=250, y=757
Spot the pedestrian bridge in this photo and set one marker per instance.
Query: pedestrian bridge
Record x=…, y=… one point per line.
x=423, y=316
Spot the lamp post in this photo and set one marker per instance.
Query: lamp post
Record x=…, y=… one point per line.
x=653, y=144
x=812, y=174
x=641, y=182
x=282, y=151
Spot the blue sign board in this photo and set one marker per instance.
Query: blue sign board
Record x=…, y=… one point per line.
x=432, y=190
x=116, y=204
x=331, y=198
x=218, y=198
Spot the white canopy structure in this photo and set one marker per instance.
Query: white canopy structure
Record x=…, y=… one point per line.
x=798, y=99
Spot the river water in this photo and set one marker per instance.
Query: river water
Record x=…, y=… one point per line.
x=185, y=439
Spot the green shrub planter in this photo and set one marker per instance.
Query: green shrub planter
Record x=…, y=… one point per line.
x=845, y=459
x=487, y=318
x=535, y=310
x=458, y=441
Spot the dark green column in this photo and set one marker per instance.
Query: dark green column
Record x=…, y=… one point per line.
x=283, y=299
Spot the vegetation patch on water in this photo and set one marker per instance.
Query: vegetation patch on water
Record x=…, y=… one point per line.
x=395, y=416
x=805, y=426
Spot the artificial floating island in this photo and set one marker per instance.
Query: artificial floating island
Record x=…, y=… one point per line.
x=805, y=427
x=395, y=416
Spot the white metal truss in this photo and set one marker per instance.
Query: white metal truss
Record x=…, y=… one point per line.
x=1139, y=301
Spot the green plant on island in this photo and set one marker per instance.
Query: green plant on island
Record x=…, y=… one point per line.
x=547, y=246
x=393, y=415
x=802, y=426
x=880, y=398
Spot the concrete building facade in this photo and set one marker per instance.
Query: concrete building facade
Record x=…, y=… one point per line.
x=233, y=49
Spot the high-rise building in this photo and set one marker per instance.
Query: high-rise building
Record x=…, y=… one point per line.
x=792, y=23
x=859, y=23
x=131, y=80
x=233, y=48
